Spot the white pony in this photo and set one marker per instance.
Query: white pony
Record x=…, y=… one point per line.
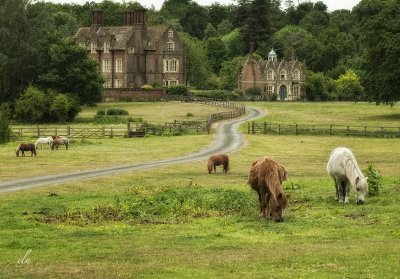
x=343, y=168
x=43, y=140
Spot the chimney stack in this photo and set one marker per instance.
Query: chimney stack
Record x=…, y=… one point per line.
x=97, y=18
x=135, y=18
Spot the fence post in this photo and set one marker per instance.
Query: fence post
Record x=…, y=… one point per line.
x=252, y=127
x=279, y=129
x=296, y=129
x=265, y=127
x=68, y=131
x=348, y=130
x=365, y=130
x=38, y=131
x=103, y=132
x=330, y=129
x=55, y=132
x=111, y=133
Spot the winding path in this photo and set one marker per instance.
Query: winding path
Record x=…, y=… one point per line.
x=227, y=139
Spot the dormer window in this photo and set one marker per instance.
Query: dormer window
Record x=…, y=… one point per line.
x=131, y=50
x=170, y=34
x=283, y=74
x=270, y=75
x=93, y=47
x=106, y=47
x=170, y=46
x=296, y=75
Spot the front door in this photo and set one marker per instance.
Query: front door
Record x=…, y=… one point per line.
x=282, y=93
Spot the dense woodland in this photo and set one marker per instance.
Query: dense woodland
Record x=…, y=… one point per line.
x=350, y=55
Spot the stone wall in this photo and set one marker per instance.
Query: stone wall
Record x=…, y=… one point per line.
x=127, y=94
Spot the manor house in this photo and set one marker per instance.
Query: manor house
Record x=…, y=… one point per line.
x=134, y=54
x=285, y=79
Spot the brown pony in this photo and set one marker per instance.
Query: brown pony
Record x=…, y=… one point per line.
x=57, y=141
x=26, y=147
x=217, y=160
x=266, y=177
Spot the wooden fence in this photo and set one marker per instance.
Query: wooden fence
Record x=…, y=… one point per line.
x=340, y=130
x=134, y=129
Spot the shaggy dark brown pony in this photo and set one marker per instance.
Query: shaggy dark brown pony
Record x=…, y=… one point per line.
x=266, y=177
x=22, y=147
x=57, y=141
x=217, y=160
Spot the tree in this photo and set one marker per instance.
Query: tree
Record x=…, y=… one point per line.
x=317, y=87
x=381, y=72
x=16, y=49
x=349, y=87
x=194, y=20
x=5, y=131
x=71, y=70
x=229, y=72
x=253, y=20
x=216, y=53
x=31, y=106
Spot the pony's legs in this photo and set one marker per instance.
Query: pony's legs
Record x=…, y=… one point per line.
x=346, y=191
x=337, y=190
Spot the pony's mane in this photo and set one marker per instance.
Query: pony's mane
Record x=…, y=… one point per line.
x=19, y=145
x=352, y=169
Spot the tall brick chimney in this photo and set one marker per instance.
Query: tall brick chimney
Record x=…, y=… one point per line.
x=135, y=18
x=97, y=18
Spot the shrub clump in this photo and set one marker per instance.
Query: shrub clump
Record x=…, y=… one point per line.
x=177, y=90
x=374, y=181
x=117, y=111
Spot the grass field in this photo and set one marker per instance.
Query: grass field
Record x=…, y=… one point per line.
x=181, y=222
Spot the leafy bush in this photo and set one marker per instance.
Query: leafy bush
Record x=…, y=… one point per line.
x=146, y=87
x=189, y=114
x=101, y=112
x=177, y=90
x=253, y=91
x=117, y=111
x=374, y=181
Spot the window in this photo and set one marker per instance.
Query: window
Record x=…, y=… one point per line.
x=170, y=34
x=107, y=83
x=131, y=50
x=93, y=47
x=270, y=75
x=270, y=90
x=282, y=74
x=106, y=65
x=170, y=65
x=118, y=66
x=106, y=47
x=296, y=91
x=170, y=46
x=296, y=75
x=118, y=83
x=170, y=82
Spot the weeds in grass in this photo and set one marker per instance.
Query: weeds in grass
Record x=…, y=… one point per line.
x=374, y=180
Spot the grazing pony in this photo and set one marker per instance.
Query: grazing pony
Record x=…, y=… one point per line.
x=25, y=147
x=42, y=141
x=57, y=141
x=217, y=160
x=266, y=177
x=343, y=168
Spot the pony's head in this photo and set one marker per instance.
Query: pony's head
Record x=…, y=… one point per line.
x=210, y=167
x=17, y=150
x=277, y=205
x=361, y=189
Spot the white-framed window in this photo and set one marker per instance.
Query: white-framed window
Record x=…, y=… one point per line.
x=270, y=90
x=282, y=74
x=170, y=82
x=131, y=50
x=170, y=34
x=118, y=83
x=106, y=47
x=118, y=65
x=106, y=65
x=270, y=75
x=107, y=83
x=296, y=91
x=170, y=46
x=296, y=75
x=93, y=47
x=170, y=65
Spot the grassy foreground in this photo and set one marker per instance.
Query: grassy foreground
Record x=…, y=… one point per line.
x=181, y=222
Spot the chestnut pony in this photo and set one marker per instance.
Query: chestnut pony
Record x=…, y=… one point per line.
x=266, y=177
x=22, y=147
x=217, y=160
x=57, y=141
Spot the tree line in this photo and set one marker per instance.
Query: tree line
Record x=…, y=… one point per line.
x=350, y=55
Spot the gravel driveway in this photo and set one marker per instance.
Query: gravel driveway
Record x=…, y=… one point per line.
x=227, y=139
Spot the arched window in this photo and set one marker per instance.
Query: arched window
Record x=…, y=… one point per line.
x=296, y=75
x=270, y=75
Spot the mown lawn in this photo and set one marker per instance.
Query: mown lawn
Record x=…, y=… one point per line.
x=181, y=222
